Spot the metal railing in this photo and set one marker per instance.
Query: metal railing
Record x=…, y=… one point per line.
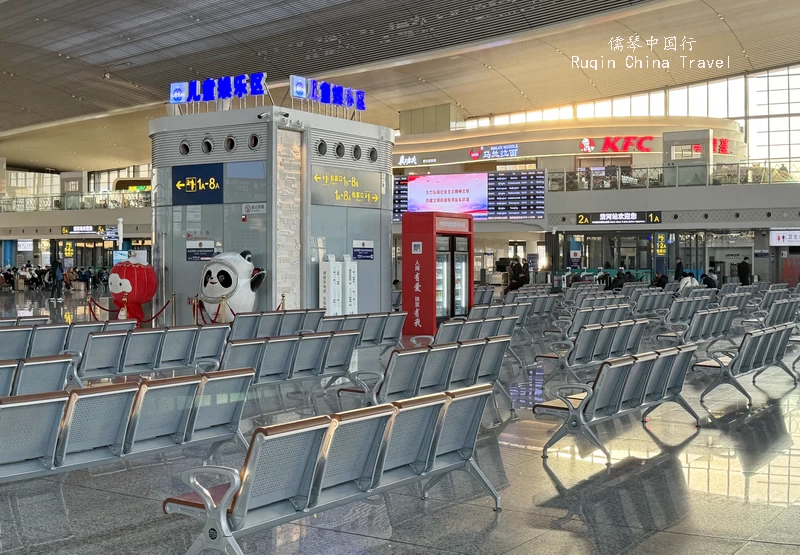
x=621, y=177
x=76, y=201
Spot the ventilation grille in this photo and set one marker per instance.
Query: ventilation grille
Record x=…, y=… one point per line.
x=167, y=144
x=332, y=138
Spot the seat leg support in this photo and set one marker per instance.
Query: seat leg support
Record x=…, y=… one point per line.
x=477, y=474
x=687, y=407
x=220, y=543
x=430, y=483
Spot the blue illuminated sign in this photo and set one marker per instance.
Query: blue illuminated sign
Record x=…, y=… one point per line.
x=223, y=88
x=327, y=93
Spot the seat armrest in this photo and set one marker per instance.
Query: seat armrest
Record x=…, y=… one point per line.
x=207, y=365
x=560, y=346
x=216, y=511
x=559, y=393
x=416, y=338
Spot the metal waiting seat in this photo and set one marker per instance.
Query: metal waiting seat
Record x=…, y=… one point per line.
x=292, y=322
x=447, y=332
x=140, y=354
x=622, y=387
x=8, y=369
x=14, y=342
x=331, y=323
x=478, y=311
x=372, y=332
x=209, y=346
x=120, y=325
x=8, y=322
x=339, y=355
x=48, y=340
x=101, y=357
x=33, y=320
x=436, y=369
x=242, y=353
x=177, y=348
x=275, y=364
x=739, y=300
x=41, y=375
x=310, y=355
x=466, y=363
x=244, y=326
x=727, y=288
x=77, y=336
x=333, y=461
x=313, y=318
x=399, y=380
x=269, y=325
x=393, y=331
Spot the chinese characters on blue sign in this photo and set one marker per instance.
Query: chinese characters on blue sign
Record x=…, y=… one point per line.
x=222, y=88
x=327, y=93
x=197, y=184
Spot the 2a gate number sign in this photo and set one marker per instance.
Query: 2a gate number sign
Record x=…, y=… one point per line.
x=621, y=218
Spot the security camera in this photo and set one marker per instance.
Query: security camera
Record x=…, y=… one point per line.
x=763, y=233
x=263, y=115
x=283, y=114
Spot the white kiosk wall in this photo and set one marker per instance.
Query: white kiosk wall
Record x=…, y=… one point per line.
x=280, y=196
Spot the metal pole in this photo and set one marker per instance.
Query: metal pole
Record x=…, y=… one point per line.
x=174, y=313
x=223, y=308
x=283, y=301
x=119, y=232
x=196, y=309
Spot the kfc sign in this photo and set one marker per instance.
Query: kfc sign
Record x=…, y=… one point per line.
x=587, y=145
x=627, y=144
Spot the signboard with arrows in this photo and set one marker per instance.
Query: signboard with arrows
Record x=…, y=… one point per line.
x=197, y=184
x=344, y=187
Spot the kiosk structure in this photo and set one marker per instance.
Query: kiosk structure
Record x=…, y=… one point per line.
x=438, y=273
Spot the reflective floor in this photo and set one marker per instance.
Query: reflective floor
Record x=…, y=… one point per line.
x=732, y=486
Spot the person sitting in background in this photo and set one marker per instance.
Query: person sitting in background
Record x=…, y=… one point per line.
x=629, y=276
x=395, y=284
x=708, y=281
x=574, y=279
x=617, y=282
x=687, y=281
x=661, y=280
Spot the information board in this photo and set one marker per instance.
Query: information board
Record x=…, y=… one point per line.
x=197, y=184
x=618, y=218
x=332, y=186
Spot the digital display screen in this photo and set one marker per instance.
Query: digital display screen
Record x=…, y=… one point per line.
x=508, y=195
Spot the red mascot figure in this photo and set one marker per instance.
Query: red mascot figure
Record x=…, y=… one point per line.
x=132, y=284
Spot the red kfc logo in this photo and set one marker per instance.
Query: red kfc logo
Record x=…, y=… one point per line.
x=587, y=145
x=612, y=144
x=476, y=153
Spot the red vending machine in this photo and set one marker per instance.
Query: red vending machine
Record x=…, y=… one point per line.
x=438, y=270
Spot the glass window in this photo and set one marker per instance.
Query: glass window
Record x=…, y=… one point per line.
x=698, y=100
x=565, y=112
x=550, y=114
x=518, y=118
x=621, y=106
x=535, y=115
x=794, y=128
x=718, y=99
x=602, y=109
x=472, y=123
x=677, y=102
x=794, y=89
x=501, y=120
x=779, y=91
x=758, y=91
x=484, y=122
x=585, y=110
x=639, y=105
x=736, y=97
x=758, y=138
x=657, y=103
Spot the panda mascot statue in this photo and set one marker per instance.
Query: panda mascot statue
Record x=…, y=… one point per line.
x=230, y=275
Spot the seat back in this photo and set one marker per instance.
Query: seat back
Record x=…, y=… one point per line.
x=491, y=363
x=102, y=354
x=621, y=339
x=33, y=320
x=583, y=317
x=583, y=348
x=415, y=428
x=607, y=388
x=448, y=332
x=120, y=325
x=340, y=352
x=636, y=381
x=48, y=340
x=292, y=322
x=40, y=417
x=678, y=370
x=507, y=325
x=393, y=329
x=245, y=325
x=269, y=324
x=727, y=288
x=242, y=353
x=14, y=342
x=478, y=311
x=96, y=419
x=372, y=332
x=659, y=374
x=140, y=354
x=310, y=354
x=210, y=344
x=437, y=367
x=161, y=411
x=743, y=360
x=280, y=465
x=78, y=333
x=490, y=327
x=177, y=346
x=604, y=341
x=494, y=311
x=470, y=329
x=276, y=360
x=355, y=322
x=41, y=375
x=313, y=318
x=331, y=323
x=8, y=368
x=462, y=420
x=397, y=298
x=466, y=363
x=402, y=374
x=355, y=442
x=636, y=336
x=220, y=403
x=511, y=296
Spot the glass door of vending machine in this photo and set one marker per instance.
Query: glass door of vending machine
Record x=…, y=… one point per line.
x=461, y=285
x=443, y=271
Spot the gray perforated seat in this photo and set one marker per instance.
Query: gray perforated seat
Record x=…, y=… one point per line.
x=41, y=375
x=177, y=348
x=14, y=342
x=140, y=355
x=245, y=325
x=48, y=340
x=120, y=325
x=102, y=356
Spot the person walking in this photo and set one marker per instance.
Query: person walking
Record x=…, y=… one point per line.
x=744, y=271
x=57, y=275
x=678, y=269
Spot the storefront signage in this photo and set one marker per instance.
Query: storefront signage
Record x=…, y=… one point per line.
x=199, y=251
x=587, y=145
x=197, y=184
x=630, y=143
x=720, y=146
x=784, y=238
x=452, y=224
x=342, y=187
x=323, y=92
x=407, y=160
x=621, y=218
x=69, y=249
x=363, y=250
x=25, y=245
x=83, y=229
x=494, y=151
x=221, y=88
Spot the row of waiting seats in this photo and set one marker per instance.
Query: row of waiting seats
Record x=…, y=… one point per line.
x=588, y=288
x=294, y=357
x=568, y=328
x=680, y=311
x=34, y=375
x=623, y=386
x=25, y=341
x=590, y=299
x=383, y=329
x=759, y=350
x=483, y=294
x=783, y=311
x=23, y=321
x=647, y=303
x=47, y=433
x=145, y=352
x=433, y=369
x=707, y=325
x=464, y=330
x=306, y=467
x=593, y=344
x=630, y=287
